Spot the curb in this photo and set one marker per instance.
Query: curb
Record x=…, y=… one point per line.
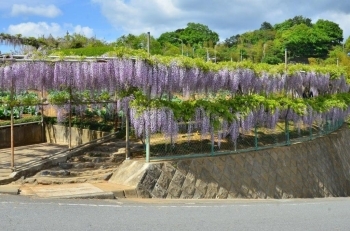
x=10, y=189
x=102, y=195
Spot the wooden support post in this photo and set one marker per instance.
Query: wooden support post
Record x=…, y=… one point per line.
x=127, y=135
x=12, y=140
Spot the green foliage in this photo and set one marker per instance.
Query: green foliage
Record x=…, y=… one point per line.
x=224, y=107
x=332, y=30
x=21, y=120
x=28, y=99
x=23, y=103
x=266, y=26
x=289, y=23
x=195, y=34
x=124, y=52
x=21, y=99
x=84, y=51
x=58, y=97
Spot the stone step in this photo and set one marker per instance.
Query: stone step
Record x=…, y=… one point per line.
x=98, y=153
x=53, y=180
x=5, y=171
x=114, y=146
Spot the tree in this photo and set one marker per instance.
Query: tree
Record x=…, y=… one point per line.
x=196, y=33
x=304, y=41
x=170, y=50
x=347, y=45
x=266, y=26
x=139, y=42
x=232, y=41
x=130, y=41
x=332, y=30
x=168, y=37
x=289, y=23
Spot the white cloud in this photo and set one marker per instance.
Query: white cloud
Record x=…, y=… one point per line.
x=225, y=17
x=45, y=29
x=139, y=16
x=35, y=29
x=84, y=30
x=49, y=11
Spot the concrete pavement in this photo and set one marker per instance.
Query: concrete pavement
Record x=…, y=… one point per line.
x=75, y=191
x=33, y=158
x=25, y=157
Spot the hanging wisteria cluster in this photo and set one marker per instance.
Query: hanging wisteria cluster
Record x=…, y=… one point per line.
x=157, y=79
x=162, y=120
x=7, y=39
x=120, y=73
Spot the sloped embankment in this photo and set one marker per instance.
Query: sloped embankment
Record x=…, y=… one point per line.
x=317, y=168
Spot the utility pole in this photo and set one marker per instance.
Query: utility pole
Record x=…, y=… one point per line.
x=215, y=52
x=285, y=59
x=148, y=42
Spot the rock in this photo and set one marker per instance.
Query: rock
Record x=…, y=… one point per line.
x=121, y=150
x=89, y=165
x=44, y=181
x=45, y=173
x=77, y=158
x=97, y=160
x=53, y=173
x=64, y=165
x=63, y=173
x=80, y=165
x=107, y=176
x=138, y=147
x=30, y=180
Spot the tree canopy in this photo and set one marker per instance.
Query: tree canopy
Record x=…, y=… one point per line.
x=303, y=39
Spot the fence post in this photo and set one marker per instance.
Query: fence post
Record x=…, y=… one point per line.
x=147, y=147
x=310, y=132
x=256, y=138
x=127, y=135
x=212, y=142
x=286, y=128
x=148, y=129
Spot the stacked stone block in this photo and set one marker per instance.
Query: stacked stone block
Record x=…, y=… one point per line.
x=317, y=168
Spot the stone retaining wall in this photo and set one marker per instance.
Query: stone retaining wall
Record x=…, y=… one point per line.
x=318, y=168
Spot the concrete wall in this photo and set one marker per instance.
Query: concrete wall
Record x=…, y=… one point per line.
x=23, y=135
x=33, y=134
x=318, y=168
x=59, y=134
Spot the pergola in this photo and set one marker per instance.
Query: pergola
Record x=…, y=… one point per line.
x=158, y=79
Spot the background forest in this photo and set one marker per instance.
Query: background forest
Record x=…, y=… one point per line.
x=321, y=42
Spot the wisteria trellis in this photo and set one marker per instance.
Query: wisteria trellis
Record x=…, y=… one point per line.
x=158, y=79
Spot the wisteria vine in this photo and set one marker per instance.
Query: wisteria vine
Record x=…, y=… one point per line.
x=158, y=81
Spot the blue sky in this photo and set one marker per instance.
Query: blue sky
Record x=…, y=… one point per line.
x=110, y=19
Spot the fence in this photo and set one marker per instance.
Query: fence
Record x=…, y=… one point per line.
x=188, y=145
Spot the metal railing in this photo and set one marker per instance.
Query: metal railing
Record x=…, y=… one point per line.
x=189, y=145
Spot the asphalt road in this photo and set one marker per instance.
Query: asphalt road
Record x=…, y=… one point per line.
x=24, y=213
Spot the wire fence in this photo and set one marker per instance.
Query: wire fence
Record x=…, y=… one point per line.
x=189, y=145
